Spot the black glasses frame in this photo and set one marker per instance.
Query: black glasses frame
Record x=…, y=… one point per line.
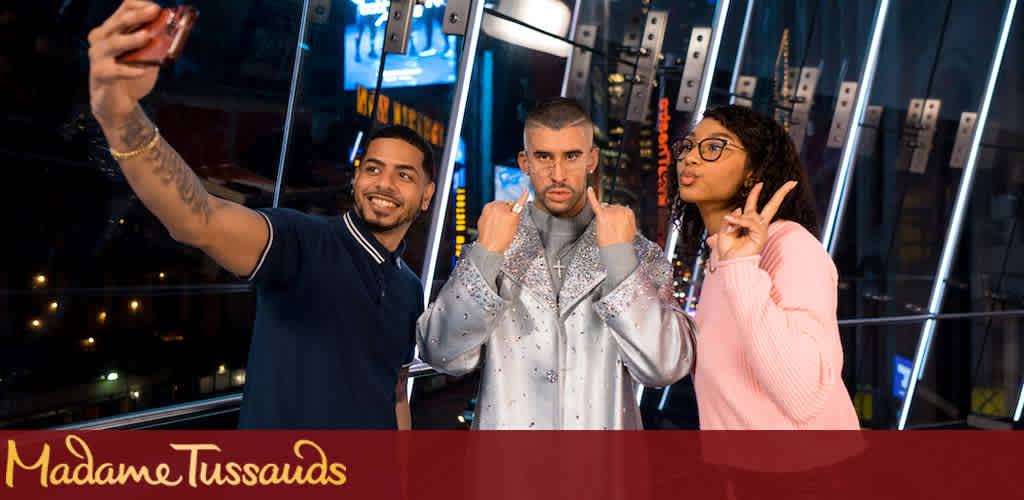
x=707, y=153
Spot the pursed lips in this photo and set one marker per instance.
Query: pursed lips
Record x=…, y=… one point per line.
x=688, y=177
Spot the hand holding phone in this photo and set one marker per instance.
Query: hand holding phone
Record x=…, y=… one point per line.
x=124, y=59
x=169, y=32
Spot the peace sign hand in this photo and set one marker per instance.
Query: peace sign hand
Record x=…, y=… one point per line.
x=746, y=231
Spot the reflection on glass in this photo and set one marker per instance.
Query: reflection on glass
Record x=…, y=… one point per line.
x=430, y=58
x=551, y=16
x=898, y=208
x=102, y=302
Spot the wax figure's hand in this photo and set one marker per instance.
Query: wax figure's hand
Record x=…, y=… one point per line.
x=498, y=222
x=115, y=88
x=615, y=223
x=745, y=231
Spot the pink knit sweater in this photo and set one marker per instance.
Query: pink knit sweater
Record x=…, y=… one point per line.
x=768, y=349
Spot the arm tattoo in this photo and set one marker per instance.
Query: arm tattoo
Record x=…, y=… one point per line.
x=136, y=130
x=173, y=170
x=168, y=165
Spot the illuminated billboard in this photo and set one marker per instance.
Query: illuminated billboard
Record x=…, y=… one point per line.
x=429, y=60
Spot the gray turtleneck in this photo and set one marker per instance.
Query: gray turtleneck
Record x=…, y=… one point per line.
x=561, y=239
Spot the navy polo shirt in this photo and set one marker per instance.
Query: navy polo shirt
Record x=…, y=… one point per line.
x=335, y=323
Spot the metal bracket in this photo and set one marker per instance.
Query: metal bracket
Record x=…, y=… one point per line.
x=693, y=69
x=745, y=86
x=647, y=65
x=841, y=118
x=918, y=133
x=869, y=132
x=399, y=26
x=964, y=132
x=456, y=17
x=616, y=93
x=579, y=72
x=803, y=99
x=320, y=11
x=631, y=39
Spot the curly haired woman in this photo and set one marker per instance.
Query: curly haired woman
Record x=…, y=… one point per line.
x=768, y=348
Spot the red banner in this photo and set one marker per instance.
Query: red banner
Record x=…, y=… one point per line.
x=665, y=162
x=427, y=465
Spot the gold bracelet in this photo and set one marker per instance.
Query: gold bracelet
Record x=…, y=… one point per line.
x=132, y=154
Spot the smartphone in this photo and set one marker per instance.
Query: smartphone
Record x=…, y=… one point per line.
x=170, y=31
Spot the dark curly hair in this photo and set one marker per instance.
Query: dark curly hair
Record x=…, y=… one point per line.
x=771, y=158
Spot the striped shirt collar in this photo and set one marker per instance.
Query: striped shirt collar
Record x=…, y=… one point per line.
x=362, y=236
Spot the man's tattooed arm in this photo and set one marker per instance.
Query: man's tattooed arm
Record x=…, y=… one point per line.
x=164, y=162
x=162, y=179
x=232, y=234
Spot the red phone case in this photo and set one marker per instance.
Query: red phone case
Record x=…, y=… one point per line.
x=170, y=30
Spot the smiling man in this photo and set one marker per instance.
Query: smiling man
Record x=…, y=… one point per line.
x=335, y=325
x=337, y=305
x=573, y=305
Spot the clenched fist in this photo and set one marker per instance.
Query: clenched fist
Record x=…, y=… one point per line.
x=498, y=222
x=615, y=223
x=115, y=88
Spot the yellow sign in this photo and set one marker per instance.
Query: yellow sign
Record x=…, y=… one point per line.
x=862, y=402
x=392, y=112
x=988, y=401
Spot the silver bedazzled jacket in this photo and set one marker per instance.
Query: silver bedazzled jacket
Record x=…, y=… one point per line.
x=566, y=362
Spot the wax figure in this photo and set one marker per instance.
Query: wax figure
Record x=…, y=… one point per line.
x=560, y=302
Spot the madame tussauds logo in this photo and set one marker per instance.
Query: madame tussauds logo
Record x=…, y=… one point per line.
x=313, y=468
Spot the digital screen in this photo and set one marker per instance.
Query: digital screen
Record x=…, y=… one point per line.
x=429, y=60
x=459, y=179
x=509, y=183
x=901, y=371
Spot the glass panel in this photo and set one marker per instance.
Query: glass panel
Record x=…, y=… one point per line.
x=333, y=105
x=989, y=275
x=896, y=217
x=975, y=365
x=486, y=169
x=336, y=100
x=499, y=104
x=973, y=374
x=876, y=365
x=830, y=39
x=86, y=244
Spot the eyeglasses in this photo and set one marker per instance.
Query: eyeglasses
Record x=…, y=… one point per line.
x=545, y=164
x=709, y=149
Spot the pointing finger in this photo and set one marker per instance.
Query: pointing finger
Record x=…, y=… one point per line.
x=594, y=204
x=519, y=205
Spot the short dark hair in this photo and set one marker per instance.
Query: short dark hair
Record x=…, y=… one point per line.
x=558, y=113
x=409, y=136
x=772, y=158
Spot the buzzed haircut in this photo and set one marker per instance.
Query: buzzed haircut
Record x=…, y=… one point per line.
x=558, y=113
x=410, y=137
